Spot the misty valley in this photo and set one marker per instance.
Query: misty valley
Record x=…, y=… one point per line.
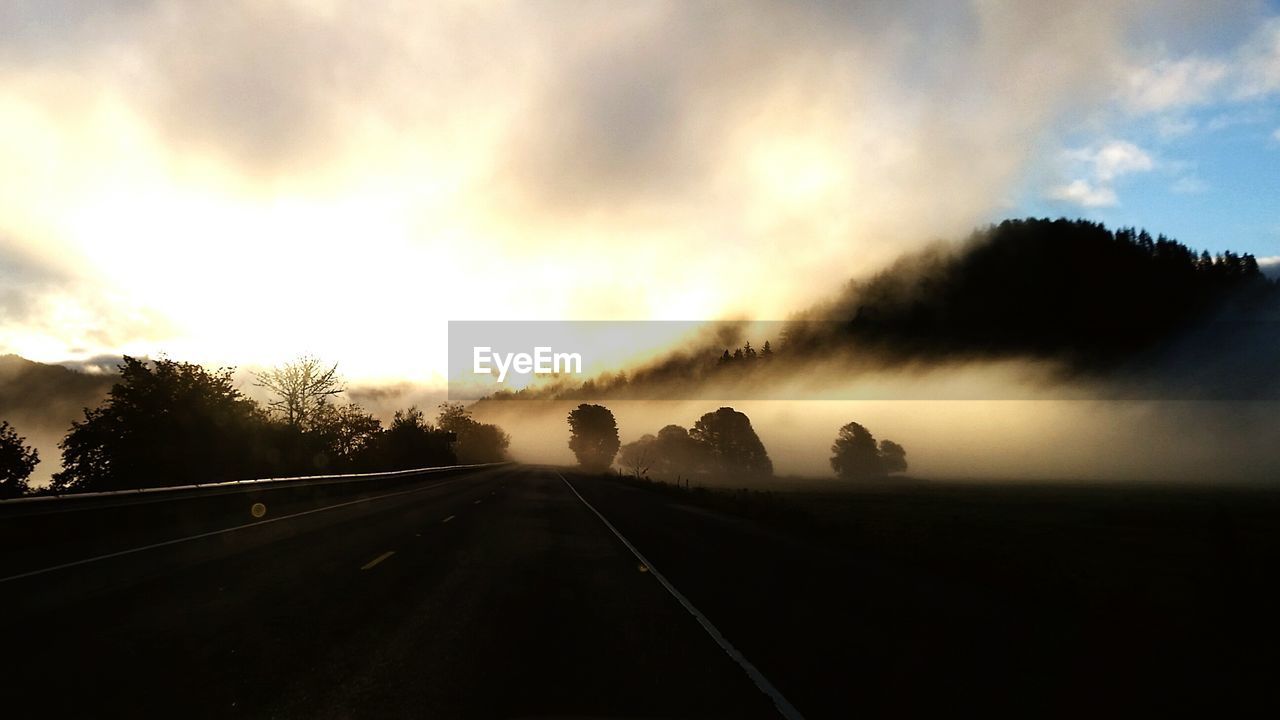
x=1108, y=540
x=660, y=359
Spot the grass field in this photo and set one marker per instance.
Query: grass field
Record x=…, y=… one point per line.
x=1151, y=597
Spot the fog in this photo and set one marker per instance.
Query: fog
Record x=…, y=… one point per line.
x=1034, y=350
x=1014, y=440
x=950, y=418
x=1191, y=413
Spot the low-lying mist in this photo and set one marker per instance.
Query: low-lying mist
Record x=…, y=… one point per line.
x=1034, y=349
x=1053, y=439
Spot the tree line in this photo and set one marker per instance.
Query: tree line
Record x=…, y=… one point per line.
x=1067, y=290
x=1070, y=290
x=720, y=444
x=745, y=354
x=166, y=422
x=175, y=423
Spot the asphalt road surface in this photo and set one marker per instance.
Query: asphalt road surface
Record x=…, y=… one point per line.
x=499, y=593
x=496, y=593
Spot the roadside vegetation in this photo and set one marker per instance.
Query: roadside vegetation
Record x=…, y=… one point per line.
x=166, y=422
x=17, y=460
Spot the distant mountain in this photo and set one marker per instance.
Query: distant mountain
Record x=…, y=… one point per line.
x=41, y=401
x=36, y=395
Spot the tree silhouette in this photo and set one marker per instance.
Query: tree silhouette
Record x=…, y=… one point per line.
x=345, y=433
x=477, y=442
x=856, y=456
x=732, y=446
x=17, y=460
x=301, y=388
x=593, y=436
x=167, y=423
x=639, y=456
x=484, y=443
x=678, y=453
x=893, y=458
x=410, y=441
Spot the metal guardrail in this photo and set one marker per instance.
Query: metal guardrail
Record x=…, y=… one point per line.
x=266, y=483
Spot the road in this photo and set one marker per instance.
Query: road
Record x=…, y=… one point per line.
x=497, y=593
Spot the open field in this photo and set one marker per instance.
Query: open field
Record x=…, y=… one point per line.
x=1050, y=599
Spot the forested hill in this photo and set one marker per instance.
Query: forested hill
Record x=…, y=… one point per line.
x=1063, y=289
x=38, y=396
x=1072, y=292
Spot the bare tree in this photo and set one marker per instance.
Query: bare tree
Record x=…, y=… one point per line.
x=301, y=387
x=638, y=456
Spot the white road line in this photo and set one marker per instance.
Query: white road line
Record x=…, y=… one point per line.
x=378, y=559
x=476, y=502
x=448, y=518
x=213, y=533
x=780, y=702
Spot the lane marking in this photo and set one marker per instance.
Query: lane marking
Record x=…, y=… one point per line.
x=223, y=531
x=378, y=559
x=476, y=502
x=785, y=708
x=448, y=518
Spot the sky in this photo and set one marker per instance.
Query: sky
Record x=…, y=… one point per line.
x=241, y=182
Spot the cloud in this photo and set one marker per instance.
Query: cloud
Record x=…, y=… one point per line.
x=1104, y=164
x=1238, y=117
x=1118, y=158
x=586, y=159
x=1270, y=266
x=95, y=364
x=1084, y=194
x=1247, y=72
x=1260, y=63
x=1169, y=128
x=1169, y=84
x=52, y=311
x=24, y=279
x=1189, y=185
